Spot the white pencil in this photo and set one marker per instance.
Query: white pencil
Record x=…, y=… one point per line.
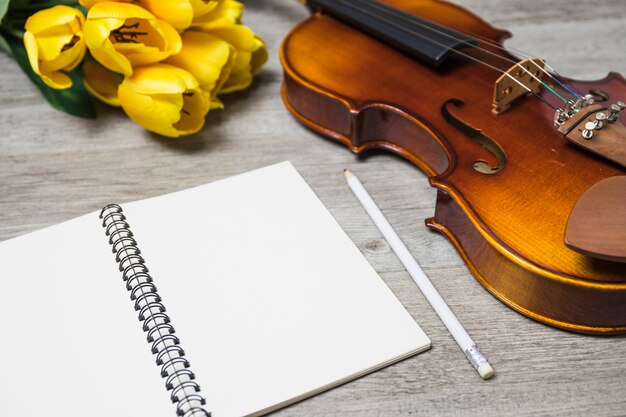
x=465, y=342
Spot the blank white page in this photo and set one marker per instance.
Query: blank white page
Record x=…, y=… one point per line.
x=72, y=345
x=270, y=298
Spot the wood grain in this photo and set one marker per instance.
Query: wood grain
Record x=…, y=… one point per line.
x=595, y=226
x=508, y=226
x=54, y=167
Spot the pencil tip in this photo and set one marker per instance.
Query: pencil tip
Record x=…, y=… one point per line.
x=348, y=174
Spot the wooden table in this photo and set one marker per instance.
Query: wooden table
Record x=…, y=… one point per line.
x=54, y=167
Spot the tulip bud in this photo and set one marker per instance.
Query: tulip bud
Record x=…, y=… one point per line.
x=101, y=82
x=122, y=36
x=178, y=13
x=251, y=55
x=164, y=99
x=54, y=42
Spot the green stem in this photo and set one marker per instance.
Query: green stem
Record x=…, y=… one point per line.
x=18, y=33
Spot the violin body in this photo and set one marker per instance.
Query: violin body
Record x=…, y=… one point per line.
x=507, y=220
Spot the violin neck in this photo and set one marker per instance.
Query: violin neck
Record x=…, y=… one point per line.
x=429, y=42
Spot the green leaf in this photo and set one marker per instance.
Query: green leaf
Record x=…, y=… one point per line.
x=17, y=3
x=14, y=13
x=75, y=100
x=4, y=6
x=4, y=45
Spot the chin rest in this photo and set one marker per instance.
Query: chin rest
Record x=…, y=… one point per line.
x=597, y=224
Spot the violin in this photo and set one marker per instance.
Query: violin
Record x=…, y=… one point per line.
x=529, y=166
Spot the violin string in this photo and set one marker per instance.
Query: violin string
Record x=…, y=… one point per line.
x=408, y=18
x=452, y=50
x=576, y=92
x=551, y=72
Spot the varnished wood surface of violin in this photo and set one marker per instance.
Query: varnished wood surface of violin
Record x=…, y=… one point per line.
x=506, y=182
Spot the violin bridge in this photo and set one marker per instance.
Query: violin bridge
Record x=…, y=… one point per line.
x=521, y=79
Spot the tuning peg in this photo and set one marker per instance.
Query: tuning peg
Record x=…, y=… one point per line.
x=589, y=128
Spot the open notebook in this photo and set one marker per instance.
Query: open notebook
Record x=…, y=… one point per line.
x=270, y=301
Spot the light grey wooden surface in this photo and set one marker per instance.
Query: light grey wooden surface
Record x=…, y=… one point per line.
x=54, y=167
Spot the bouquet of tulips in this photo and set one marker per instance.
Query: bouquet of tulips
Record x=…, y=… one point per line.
x=164, y=62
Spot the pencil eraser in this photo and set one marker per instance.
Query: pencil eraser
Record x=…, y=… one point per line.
x=485, y=370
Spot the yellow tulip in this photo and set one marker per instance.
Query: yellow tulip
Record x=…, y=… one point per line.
x=54, y=42
x=223, y=21
x=208, y=58
x=251, y=55
x=164, y=99
x=178, y=13
x=122, y=36
x=218, y=12
x=101, y=82
x=88, y=3
x=241, y=77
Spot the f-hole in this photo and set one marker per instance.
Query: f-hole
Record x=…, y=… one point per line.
x=485, y=141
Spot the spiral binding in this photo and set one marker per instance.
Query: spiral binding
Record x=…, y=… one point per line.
x=165, y=345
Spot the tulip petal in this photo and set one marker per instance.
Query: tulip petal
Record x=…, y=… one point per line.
x=101, y=83
x=54, y=16
x=239, y=80
x=202, y=7
x=178, y=13
x=158, y=79
x=164, y=99
x=226, y=13
x=143, y=110
x=207, y=57
x=251, y=55
x=96, y=34
x=32, y=51
x=88, y=3
x=66, y=60
x=170, y=106
x=57, y=80
x=193, y=113
x=240, y=36
x=53, y=42
x=122, y=36
x=55, y=39
x=118, y=10
x=244, y=41
x=216, y=104
x=259, y=56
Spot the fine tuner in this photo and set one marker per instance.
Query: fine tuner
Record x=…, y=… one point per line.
x=614, y=110
x=524, y=79
x=601, y=117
